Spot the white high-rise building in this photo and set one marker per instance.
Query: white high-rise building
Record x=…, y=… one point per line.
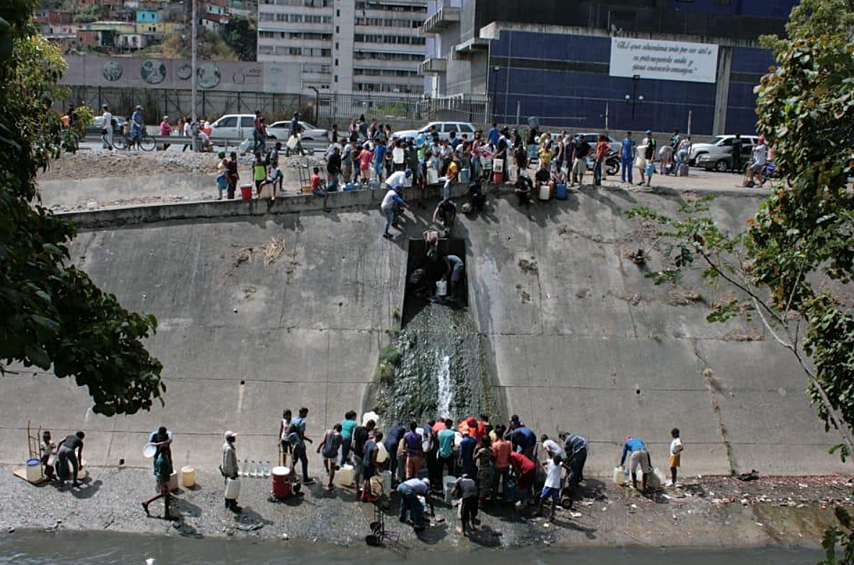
x=346, y=45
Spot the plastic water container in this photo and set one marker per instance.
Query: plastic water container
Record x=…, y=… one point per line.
x=173, y=481
x=149, y=450
x=232, y=489
x=560, y=191
x=620, y=476
x=34, y=470
x=345, y=475
x=448, y=483
x=350, y=186
x=281, y=482
x=465, y=176
x=382, y=454
x=370, y=416
x=386, y=478
x=246, y=192
x=441, y=288
x=498, y=166
x=188, y=477
x=545, y=192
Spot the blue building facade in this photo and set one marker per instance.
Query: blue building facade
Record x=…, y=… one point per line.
x=558, y=67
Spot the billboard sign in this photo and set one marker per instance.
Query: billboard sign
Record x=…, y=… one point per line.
x=663, y=60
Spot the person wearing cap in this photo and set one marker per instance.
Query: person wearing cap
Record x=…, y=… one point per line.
x=137, y=126
x=409, y=492
x=399, y=179
x=229, y=468
x=107, y=127
x=638, y=454
x=165, y=130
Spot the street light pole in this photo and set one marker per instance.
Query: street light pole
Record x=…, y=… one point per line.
x=495, y=70
x=193, y=67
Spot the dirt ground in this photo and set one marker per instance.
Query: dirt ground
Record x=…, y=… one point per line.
x=706, y=512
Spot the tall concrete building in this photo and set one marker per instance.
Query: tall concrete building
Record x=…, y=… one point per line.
x=595, y=64
x=346, y=45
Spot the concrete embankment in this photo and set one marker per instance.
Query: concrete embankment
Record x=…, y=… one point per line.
x=579, y=339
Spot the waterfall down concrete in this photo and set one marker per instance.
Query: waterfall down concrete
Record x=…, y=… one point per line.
x=442, y=370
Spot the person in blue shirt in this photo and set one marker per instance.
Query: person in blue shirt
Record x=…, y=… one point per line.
x=391, y=206
x=379, y=160
x=524, y=440
x=494, y=134
x=467, y=447
x=638, y=454
x=627, y=156
x=137, y=126
x=298, y=427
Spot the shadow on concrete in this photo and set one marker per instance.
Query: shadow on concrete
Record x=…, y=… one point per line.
x=485, y=536
x=89, y=489
x=433, y=534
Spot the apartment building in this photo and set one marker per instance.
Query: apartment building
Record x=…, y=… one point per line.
x=346, y=45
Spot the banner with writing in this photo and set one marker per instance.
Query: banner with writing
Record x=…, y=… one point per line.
x=663, y=60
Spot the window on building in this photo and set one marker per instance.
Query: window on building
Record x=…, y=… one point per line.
x=723, y=2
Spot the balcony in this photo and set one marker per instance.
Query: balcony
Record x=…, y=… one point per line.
x=441, y=20
x=433, y=66
x=473, y=45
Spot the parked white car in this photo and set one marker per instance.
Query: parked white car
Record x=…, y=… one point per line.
x=444, y=129
x=281, y=131
x=717, y=149
x=234, y=126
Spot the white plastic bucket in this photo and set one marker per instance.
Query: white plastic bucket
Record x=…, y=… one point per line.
x=441, y=288
x=149, y=450
x=232, y=488
x=34, y=470
x=619, y=476
x=188, y=477
x=386, y=477
x=173, y=481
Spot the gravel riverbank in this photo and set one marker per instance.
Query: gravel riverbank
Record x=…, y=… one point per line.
x=707, y=512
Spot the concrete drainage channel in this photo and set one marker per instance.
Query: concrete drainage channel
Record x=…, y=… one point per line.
x=437, y=364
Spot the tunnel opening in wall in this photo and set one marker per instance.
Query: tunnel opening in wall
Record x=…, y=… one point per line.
x=436, y=366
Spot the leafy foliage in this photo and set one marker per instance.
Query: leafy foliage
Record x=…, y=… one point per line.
x=212, y=47
x=51, y=313
x=793, y=261
x=241, y=35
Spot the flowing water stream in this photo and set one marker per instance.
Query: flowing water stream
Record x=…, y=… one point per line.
x=440, y=368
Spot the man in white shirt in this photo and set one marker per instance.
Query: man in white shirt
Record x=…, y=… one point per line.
x=400, y=179
x=760, y=158
x=552, y=487
x=552, y=447
x=107, y=128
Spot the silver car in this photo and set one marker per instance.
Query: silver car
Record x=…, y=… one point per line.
x=717, y=153
x=310, y=134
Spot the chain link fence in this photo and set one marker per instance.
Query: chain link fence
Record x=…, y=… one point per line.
x=210, y=105
x=399, y=109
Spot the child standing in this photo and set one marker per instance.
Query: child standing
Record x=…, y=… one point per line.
x=259, y=170
x=47, y=449
x=221, y=171
x=676, y=448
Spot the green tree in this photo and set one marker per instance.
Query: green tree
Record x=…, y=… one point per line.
x=212, y=47
x=51, y=313
x=241, y=35
x=794, y=264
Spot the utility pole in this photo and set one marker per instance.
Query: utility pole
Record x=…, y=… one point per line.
x=193, y=66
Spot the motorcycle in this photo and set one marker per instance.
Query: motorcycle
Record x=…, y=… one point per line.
x=610, y=167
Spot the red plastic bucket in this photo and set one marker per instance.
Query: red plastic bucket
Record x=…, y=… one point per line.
x=246, y=192
x=281, y=482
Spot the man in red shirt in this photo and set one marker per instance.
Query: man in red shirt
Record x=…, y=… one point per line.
x=525, y=471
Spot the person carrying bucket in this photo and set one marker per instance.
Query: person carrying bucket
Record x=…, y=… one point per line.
x=229, y=469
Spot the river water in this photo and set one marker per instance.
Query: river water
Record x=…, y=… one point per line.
x=102, y=548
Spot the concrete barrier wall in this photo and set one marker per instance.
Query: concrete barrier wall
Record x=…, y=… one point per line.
x=583, y=342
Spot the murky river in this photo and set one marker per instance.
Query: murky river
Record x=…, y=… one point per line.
x=101, y=548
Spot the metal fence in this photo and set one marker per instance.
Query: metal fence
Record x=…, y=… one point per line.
x=210, y=105
x=394, y=108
